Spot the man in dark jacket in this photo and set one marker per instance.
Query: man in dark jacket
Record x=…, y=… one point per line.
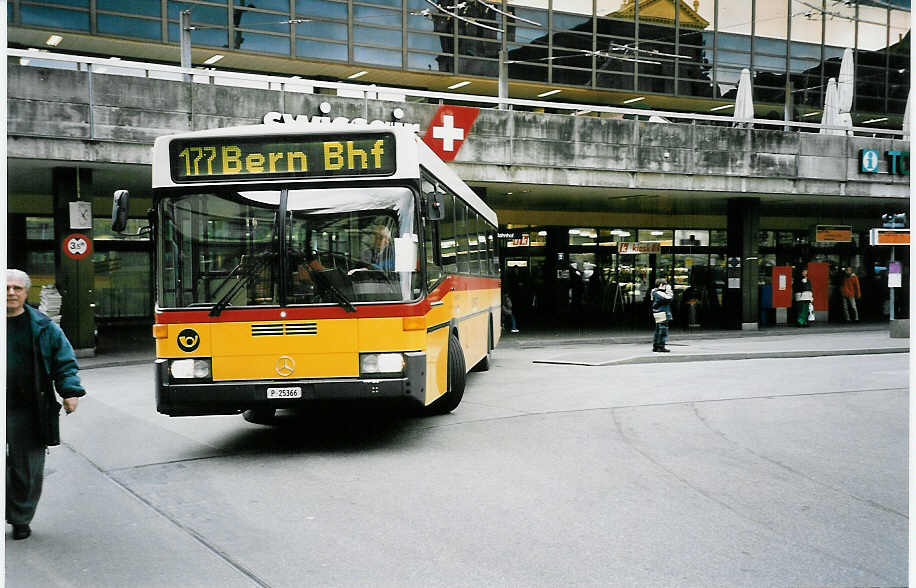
x=39, y=360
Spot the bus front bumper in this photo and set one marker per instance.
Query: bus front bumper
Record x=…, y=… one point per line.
x=233, y=397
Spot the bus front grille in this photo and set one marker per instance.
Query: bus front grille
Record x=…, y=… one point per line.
x=281, y=329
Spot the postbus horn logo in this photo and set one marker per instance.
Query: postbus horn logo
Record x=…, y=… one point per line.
x=448, y=130
x=188, y=340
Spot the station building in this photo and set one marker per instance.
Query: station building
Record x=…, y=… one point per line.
x=595, y=202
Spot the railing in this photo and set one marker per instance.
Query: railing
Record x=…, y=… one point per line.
x=116, y=66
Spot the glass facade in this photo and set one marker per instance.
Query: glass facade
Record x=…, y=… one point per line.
x=689, y=48
x=602, y=275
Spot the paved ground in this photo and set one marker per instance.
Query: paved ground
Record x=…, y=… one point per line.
x=564, y=465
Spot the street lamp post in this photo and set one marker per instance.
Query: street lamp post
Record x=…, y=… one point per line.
x=184, y=27
x=503, y=80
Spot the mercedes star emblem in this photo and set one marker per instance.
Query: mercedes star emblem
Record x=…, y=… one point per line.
x=285, y=366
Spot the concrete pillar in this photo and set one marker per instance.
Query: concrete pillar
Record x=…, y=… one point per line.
x=74, y=273
x=742, y=294
x=16, y=255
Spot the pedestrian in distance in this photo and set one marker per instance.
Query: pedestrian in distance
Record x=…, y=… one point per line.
x=508, y=315
x=804, y=300
x=661, y=297
x=39, y=360
x=850, y=291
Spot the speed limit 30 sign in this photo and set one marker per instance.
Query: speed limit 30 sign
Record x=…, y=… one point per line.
x=77, y=246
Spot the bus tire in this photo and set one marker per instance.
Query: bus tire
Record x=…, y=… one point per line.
x=456, y=375
x=484, y=364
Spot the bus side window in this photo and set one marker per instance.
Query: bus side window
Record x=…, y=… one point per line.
x=461, y=236
x=482, y=245
x=473, y=246
x=433, y=269
x=488, y=270
x=447, y=234
x=493, y=263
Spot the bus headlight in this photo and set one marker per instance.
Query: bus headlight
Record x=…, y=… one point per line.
x=190, y=369
x=381, y=364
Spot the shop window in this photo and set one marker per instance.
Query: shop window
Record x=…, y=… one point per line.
x=39, y=227
x=583, y=237
x=40, y=267
x=537, y=238
x=663, y=236
x=684, y=264
x=122, y=287
x=611, y=237
x=718, y=238
x=767, y=239
x=691, y=238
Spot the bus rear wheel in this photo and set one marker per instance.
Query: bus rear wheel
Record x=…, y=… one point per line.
x=456, y=379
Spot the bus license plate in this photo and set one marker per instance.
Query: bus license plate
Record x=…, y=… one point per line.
x=291, y=392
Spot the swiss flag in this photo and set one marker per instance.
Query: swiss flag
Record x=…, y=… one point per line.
x=448, y=130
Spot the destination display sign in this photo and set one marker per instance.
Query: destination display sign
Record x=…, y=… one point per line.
x=312, y=156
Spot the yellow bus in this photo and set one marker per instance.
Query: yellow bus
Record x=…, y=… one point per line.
x=305, y=262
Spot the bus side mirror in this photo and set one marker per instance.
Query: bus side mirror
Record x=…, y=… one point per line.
x=434, y=206
x=119, y=210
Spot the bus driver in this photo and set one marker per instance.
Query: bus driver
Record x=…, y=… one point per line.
x=379, y=254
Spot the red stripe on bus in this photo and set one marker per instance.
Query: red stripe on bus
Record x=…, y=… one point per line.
x=420, y=308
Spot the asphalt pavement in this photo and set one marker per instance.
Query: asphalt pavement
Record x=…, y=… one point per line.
x=99, y=518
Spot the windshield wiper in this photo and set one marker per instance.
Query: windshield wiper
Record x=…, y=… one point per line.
x=320, y=279
x=249, y=268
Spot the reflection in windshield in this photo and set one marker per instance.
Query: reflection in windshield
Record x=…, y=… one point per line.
x=208, y=247
x=348, y=235
x=340, y=246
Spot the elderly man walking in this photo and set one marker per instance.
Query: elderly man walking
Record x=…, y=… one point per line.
x=39, y=359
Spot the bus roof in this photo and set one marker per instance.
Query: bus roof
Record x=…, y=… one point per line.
x=411, y=154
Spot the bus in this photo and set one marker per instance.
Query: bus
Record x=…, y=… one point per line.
x=307, y=262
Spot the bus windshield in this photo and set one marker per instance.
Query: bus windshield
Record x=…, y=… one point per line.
x=332, y=246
